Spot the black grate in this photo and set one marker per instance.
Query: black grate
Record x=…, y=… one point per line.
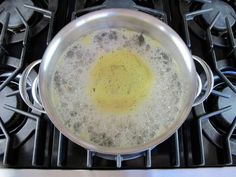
x=34, y=122
x=81, y=9
x=36, y=143
x=192, y=12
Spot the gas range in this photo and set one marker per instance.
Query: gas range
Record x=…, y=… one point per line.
x=29, y=140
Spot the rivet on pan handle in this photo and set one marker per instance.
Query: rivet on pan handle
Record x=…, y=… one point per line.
x=203, y=93
x=34, y=90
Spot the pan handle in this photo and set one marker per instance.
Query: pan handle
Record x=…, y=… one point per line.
x=205, y=81
x=37, y=105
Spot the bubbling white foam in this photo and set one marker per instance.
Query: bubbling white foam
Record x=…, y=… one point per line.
x=153, y=118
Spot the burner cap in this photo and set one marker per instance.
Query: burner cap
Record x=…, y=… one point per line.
x=228, y=116
x=9, y=6
x=5, y=114
x=226, y=11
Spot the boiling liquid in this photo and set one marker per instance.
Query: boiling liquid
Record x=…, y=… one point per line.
x=117, y=88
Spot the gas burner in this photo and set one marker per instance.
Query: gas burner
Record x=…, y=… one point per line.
x=14, y=122
x=219, y=111
x=199, y=15
x=9, y=6
x=6, y=115
x=226, y=118
x=228, y=98
x=35, y=13
x=11, y=121
x=225, y=10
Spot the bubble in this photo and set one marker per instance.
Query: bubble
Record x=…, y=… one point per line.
x=77, y=126
x=141, y=40
x=113, y=35
x=147, y=47
x=70, y=54
x=73, y=113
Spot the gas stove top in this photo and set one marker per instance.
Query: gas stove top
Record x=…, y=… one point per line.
x=29, y=140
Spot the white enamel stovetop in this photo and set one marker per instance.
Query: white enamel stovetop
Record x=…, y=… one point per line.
x=197, y=172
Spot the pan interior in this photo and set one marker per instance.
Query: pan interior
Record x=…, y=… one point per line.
x=117, y=88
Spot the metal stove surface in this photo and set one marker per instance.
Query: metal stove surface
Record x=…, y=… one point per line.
x=207, y=139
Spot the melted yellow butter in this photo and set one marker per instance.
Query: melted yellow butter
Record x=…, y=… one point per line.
x=119, y=81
